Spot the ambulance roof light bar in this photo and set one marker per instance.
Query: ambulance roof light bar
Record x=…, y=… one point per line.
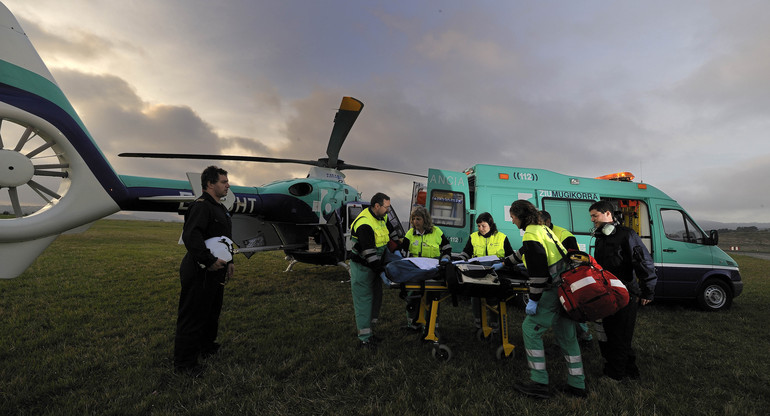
x=619, y=176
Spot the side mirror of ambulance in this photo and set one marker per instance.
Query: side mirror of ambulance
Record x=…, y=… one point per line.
x=713, y=238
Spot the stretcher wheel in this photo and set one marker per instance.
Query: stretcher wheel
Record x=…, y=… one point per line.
x=480, y=335
x=500, y=353
x=442, y=352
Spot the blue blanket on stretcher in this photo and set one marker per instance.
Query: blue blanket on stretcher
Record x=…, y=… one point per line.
x=418, y=269
x=412, y=269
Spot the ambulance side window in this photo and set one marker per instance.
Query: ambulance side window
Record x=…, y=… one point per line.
x=447, y=208
x=571, y=214
x=679, y=227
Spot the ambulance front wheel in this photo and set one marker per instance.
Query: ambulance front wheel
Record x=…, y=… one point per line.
x=442, y=353
x=715, y=295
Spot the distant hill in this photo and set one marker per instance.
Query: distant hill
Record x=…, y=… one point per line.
x=715, y=225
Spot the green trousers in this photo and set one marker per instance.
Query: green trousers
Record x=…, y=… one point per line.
x=549, y=316
x=366, y=287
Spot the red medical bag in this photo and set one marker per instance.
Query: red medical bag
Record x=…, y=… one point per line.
x=588, y=292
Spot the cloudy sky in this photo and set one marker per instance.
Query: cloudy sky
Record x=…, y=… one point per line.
x=676, y=92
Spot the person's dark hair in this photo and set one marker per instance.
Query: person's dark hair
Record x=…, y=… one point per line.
x=379, y=198
x=211, y=175
x=603, y=206
x=526, y=212
x=487, y=218
x=546, y=216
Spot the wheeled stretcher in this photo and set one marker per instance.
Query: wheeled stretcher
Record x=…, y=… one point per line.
x=494, y=288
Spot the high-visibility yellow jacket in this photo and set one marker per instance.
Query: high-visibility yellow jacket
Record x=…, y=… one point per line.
x=494, y=245
x=426, y=245
x=381, y=235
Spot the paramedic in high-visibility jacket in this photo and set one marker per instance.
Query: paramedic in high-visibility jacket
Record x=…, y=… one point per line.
x=569, y=242
x=422, y=240
x=371, y=233
x=621, y=251
x=541, y=254
x=567, y=239
x=487, y=241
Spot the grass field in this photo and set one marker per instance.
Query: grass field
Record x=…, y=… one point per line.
x=89, y=328
x=746, y=241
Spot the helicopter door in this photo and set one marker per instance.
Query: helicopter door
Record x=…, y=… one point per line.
x=350, y=213
x=352, y=210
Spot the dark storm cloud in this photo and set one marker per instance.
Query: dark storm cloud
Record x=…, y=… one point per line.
x=119, y=121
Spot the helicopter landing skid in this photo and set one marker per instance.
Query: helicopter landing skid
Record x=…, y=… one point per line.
x=292, y=262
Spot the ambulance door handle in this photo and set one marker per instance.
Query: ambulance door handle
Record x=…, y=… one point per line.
x=669, y=250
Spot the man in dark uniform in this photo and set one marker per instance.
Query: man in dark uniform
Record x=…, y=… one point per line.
x=620, y=250
x=202, y=274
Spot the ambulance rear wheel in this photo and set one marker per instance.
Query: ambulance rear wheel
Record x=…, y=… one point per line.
x=442, y=353
x=715, y=295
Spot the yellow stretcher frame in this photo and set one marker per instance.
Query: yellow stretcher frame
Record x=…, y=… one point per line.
x=437, y=291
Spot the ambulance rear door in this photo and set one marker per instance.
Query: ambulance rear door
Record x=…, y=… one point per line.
x=448, y=197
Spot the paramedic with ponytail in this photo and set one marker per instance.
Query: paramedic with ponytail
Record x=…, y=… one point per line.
x=370, y=233
x=620, y=250
x=541, y=254
x=487, y=241
x=422, y=240
x=569, y=242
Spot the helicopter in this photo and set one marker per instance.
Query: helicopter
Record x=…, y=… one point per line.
x=48, y=156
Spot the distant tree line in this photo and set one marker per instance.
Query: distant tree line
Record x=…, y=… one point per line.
x=750, y=229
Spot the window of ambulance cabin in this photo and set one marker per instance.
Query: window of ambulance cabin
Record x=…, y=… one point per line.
x=679, y=227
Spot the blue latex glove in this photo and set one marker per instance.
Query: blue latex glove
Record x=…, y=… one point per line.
x=531, y=307
x=444, y=259
x=497, y=266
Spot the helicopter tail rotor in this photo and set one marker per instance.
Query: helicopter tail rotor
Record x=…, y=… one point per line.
x=54, y=177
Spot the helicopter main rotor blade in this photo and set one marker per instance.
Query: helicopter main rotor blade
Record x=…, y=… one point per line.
x=219, y=157
x=320, y=162
x=343, y=122
x=342, y=166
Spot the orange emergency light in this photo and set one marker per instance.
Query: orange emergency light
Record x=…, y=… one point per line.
x=619, y=176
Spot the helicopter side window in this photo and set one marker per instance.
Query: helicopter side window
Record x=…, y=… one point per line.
x=301, y=189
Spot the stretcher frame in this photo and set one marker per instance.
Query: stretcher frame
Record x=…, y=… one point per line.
x=433, y=292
